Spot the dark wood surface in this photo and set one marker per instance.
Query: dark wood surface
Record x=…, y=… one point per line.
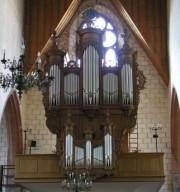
x=149, y=16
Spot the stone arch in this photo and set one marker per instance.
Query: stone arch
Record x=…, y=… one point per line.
x=13, y=125
x=175, y=129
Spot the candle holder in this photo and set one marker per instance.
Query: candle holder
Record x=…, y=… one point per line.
x=155, y=128
x=26, y=130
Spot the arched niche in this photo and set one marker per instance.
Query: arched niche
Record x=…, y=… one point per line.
x=12, y=120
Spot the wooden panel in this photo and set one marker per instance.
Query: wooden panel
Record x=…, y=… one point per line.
x=128, y=165
x=42, y=17
x=28, y=166
x=49, y=166
x=141, y=164
x=37, y=167
x=131, y=167
x=153, y=164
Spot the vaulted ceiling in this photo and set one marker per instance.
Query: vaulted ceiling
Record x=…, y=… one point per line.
x=146, y=19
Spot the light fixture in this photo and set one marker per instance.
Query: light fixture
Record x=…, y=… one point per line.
x=77, y=182
x=18, y=80
x=155, y=128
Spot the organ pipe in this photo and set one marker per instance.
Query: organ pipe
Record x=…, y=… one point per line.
x=108, y=128
x=127, y=84
x=108, y=150
x=79, y=156
x=90, y=76
x=98, y=156
x=71, y=89
x=54, y=89
x=69, y=128
x=110, y=88
x=69, y=150
x=88, y=154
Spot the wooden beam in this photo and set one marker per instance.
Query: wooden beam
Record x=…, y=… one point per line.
x=62, y=24
x=160, y=67
x=163, y=71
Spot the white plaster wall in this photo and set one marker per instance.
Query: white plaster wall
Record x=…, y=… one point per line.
x=174, y=44
x=11, y=18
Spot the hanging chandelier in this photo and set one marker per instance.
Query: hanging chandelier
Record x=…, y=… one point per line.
x=18, y=80
x=77, y=182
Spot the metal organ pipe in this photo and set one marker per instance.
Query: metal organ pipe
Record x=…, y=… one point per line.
x=71, y=89
x=110, y=88
x=108, y=150
x=88, y=154
x=79, y=156
x=69, y=150
x=54, y=89
x=90, y=76
x=127, y=84
x=98, y=156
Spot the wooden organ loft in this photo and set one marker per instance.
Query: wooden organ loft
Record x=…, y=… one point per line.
x=93, y=100
x=90, y=106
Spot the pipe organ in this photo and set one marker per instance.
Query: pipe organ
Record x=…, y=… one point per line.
x=93, y=100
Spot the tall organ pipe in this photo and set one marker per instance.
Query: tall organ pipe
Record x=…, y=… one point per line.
x=127, y=84
x=110, y=88
x=71, y=89
x=54, y=89
x=90, y=76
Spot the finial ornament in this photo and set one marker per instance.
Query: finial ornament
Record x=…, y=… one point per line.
x=54, y=37
x=126, y=36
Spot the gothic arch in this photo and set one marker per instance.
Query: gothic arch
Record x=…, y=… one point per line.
x=175, y=129
x=13, y=123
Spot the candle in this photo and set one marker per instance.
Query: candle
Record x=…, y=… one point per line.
x=4, y=54
x=39, y=60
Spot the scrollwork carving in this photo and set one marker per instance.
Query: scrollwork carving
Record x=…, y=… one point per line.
x=140, y=83
x=60, y=149
x=117, y=149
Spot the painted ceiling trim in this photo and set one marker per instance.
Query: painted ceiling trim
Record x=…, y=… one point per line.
x=163, y=72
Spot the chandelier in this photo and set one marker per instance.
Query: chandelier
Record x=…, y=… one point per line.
x=77, y=182
x=18, y=80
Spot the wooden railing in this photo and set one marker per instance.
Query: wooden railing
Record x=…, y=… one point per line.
x=131, y=167
x=7, y=174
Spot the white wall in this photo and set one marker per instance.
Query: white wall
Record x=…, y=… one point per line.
x=11, y=16
x=11, y=19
